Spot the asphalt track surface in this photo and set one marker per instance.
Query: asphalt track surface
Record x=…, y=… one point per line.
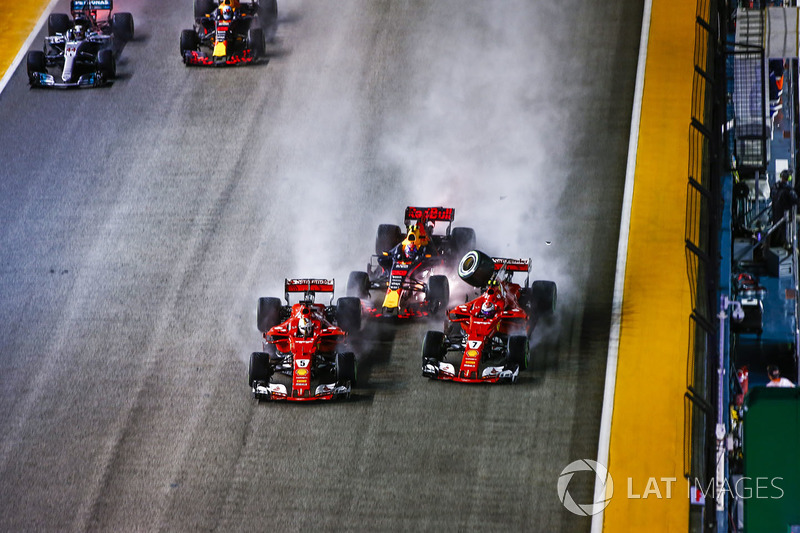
x=139, y=224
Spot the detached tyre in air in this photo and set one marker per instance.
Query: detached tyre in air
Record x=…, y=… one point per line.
x=476, y=268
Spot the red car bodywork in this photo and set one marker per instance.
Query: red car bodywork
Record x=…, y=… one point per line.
x=484, y=337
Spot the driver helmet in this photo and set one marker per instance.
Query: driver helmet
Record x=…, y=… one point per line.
x=487, y=309
x=410, y=249
x=79, y=32
x=305, y=327
x=226, y=12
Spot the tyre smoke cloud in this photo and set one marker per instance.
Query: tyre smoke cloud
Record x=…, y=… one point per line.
x=482, y=135
x=470, y=126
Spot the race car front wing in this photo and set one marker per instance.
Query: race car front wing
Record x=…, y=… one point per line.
x=277, y=391
x=491, y=374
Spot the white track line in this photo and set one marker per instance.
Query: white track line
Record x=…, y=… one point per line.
x=622, y=260
x=22, y=51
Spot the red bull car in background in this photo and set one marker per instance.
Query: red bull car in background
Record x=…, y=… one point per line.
x=304, y=345
x=487, y=339
x=408, y=274
x=228, y=32
x=81, y=48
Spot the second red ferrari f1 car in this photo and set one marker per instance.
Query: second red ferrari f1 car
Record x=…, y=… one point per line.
x=487, y=338
x=305, y=354
x=410, y=273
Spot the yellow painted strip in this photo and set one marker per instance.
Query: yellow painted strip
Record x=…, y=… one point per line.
x=646, y=445
x=17, y=24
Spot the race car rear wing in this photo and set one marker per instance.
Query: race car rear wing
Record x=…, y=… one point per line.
x=95, y=5
x=308, y=286
x=430, y=214
x=512, y=265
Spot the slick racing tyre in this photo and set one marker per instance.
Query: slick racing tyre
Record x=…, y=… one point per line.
x=36, y=62
x=106, y=64
x=122, y=26
x=476, y=268
x=190, y=42
x=433, y=346
x=348, y=314
x=346, y=369
x=543, y=295
x=203, y=8
x=58, y=23
x=518, y=351
x=388, y=237
x=438, y=294
x=269, y=313
x=260, y=369
x=255, y=41
x=358, y=285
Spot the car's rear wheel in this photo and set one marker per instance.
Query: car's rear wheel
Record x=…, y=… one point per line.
x=543, y=295
x=36, y=62
x=518, y=351
x=346, y=369
x=203, y=8
x=58, y=23
x=387, y=238
x=260, y=369
x=476, y=268
x=269, y=313
x=438, y=293
x=358, y=285
x=463, y=241
x=122, y=26
x=107, y=64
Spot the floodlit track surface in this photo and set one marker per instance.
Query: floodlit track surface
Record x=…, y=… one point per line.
x=139, y=224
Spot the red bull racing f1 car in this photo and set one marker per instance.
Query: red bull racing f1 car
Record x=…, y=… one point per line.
x=487, y=338
x=227, y=32
x=408, y=274
x=304, y=353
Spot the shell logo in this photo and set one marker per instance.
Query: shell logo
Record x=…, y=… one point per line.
x=472, y=353
x=302, y=372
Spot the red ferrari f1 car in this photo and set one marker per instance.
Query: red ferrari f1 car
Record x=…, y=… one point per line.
x=486, y=339
x=304, y=355
x=410, y=270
